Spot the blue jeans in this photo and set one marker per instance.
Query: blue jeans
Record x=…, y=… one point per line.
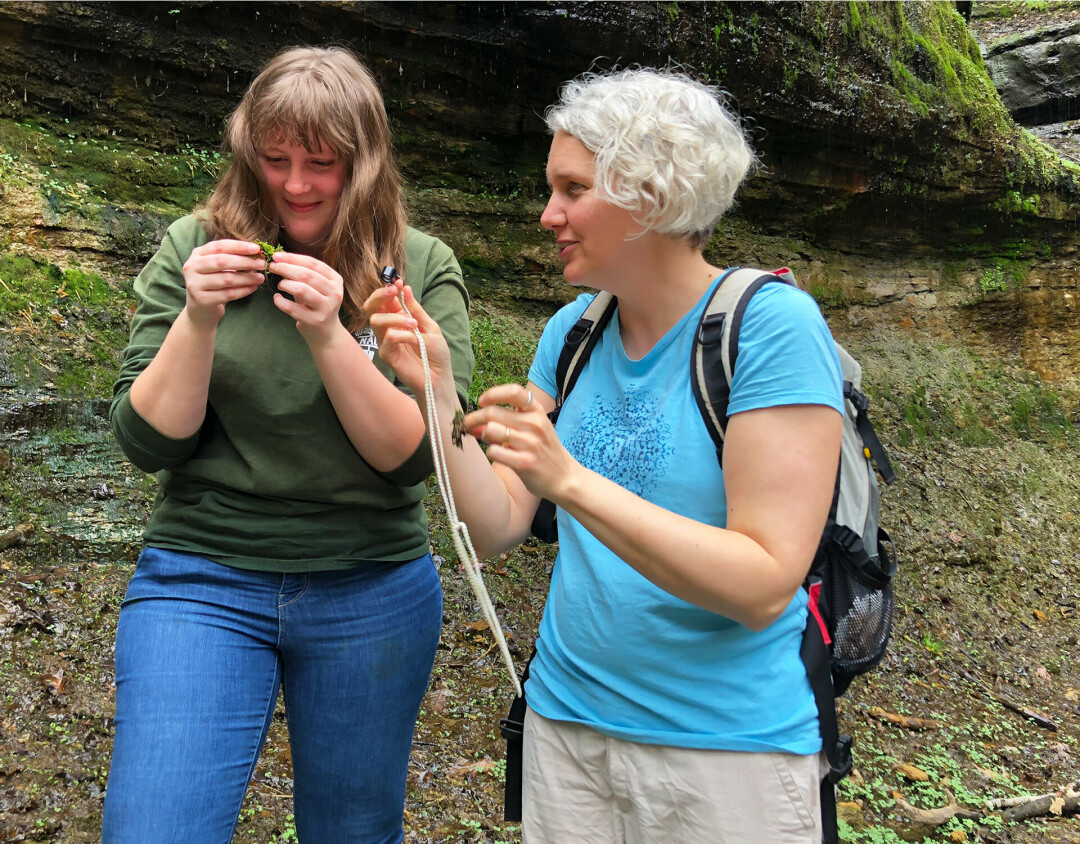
x=201, y=649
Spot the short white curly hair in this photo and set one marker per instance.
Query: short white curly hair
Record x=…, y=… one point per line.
x=665, y=146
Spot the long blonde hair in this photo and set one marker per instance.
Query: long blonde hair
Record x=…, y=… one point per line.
x=305, y=95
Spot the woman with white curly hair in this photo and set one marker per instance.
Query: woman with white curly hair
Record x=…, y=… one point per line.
x=667, y=699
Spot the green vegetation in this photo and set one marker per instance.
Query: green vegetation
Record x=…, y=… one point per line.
x=943, y=393
x=1004, y=273
x=854, y=20
x=1015, y=203
x=835, y=290
x=504, y=349
x=74, y=172
x=937, y=67
x=65, y=328
x=1003, y=9
x=269, y=250
x=992, y=280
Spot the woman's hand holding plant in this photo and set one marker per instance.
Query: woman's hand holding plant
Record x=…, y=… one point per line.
x=217, y=273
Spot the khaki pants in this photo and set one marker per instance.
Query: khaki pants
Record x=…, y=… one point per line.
x=581, y=786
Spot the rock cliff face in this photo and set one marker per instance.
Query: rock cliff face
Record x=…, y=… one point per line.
x=1038, y=73
x=893, y=175
x=855, y=105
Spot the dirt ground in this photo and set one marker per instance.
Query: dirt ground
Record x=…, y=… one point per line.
x=978, y=697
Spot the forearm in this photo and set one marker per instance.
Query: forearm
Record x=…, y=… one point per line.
x=171, y=393
x=718, y=569
x=490, y=499
x=384, y=424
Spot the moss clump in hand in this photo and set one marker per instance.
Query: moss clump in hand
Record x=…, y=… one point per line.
x=269, y=251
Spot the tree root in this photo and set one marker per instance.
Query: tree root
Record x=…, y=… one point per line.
x=1064, y=801
x=943, y=814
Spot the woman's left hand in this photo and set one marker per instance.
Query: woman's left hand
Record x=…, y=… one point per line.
x=317, y=292
x=514, y=424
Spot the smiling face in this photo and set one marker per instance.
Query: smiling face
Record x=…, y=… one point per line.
x=305, y=187
x=596, y=239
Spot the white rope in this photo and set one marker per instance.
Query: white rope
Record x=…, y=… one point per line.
x=459, y=531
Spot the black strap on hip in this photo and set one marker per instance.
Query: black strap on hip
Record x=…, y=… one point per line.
x=513, y=730
x=815, y=656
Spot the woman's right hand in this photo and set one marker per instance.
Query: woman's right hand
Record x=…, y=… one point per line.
x=395, y=332
x=217, y=273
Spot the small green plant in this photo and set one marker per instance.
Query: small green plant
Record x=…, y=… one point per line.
x=993, y=280
x=871, y=835
x=268, y=251
x=498, y=769
x=932, y=644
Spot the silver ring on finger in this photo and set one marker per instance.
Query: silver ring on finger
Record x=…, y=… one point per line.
x=528, y=404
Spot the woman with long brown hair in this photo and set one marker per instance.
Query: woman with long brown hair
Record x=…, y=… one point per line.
x=288, y=544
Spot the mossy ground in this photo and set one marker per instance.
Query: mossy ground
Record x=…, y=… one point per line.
x=987, y=599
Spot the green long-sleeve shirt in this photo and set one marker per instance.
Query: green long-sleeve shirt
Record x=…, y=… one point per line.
x=271, y=481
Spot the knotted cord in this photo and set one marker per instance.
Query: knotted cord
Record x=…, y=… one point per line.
x=459, y=531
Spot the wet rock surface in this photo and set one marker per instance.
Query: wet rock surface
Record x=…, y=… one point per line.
x=852, y=109
x=1037, y=73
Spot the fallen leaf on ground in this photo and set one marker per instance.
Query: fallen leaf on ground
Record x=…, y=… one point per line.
x=909, y=721
x=54, y=682
x=438, y=700
x=479, y=766
x=912, y=773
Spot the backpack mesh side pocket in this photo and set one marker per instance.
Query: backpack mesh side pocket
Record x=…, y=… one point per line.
x=859, y=606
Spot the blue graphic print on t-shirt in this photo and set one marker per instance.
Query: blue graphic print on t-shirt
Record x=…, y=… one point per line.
x=626, y=440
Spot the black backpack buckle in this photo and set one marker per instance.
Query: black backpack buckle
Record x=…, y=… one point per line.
x=711, y=329
x=513, y=730
x=858, y=399
x=578, y=332
x=845, y=537
x=840, y=762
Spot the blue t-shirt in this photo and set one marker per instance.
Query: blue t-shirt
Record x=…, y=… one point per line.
x=618, y=653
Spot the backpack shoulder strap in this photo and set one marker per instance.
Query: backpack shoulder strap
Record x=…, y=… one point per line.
x=716, y=344
x=579, y=343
